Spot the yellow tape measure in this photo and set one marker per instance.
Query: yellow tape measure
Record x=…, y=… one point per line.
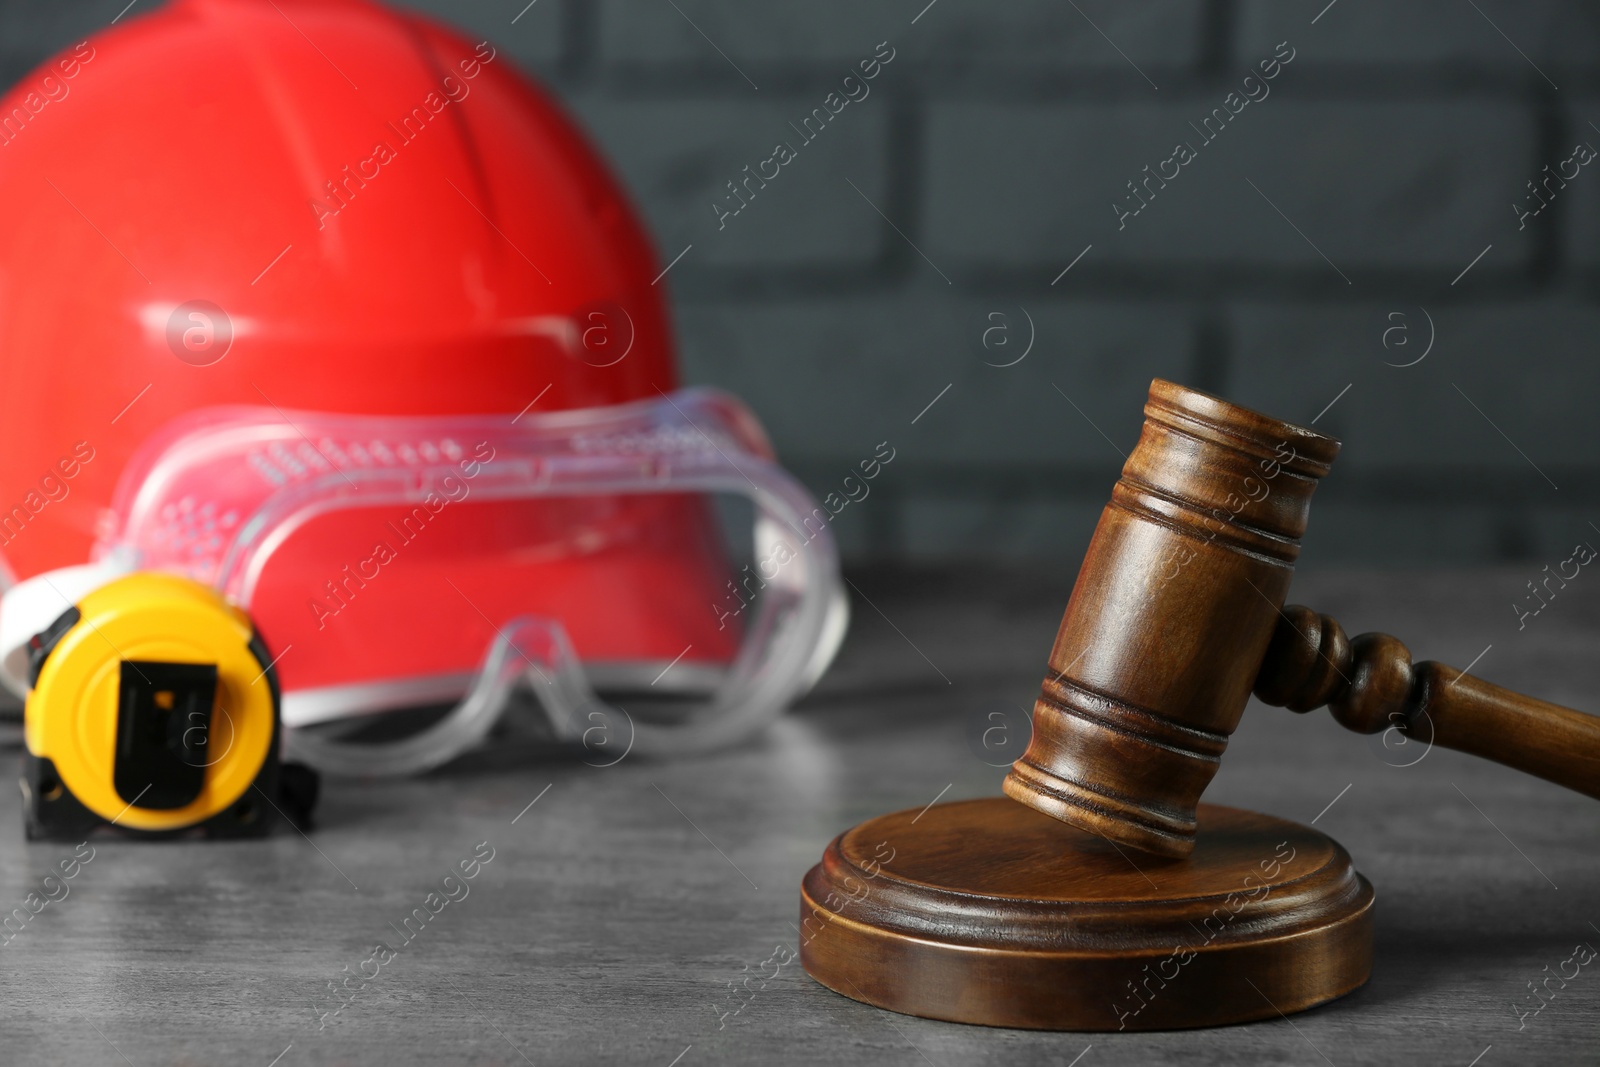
x=155, y=708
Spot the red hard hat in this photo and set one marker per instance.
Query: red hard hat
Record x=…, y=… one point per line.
x=328, y=206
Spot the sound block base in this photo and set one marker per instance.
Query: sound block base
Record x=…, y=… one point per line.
x=988, y=912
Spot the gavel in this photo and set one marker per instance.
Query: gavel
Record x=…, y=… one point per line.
x=1178, y=615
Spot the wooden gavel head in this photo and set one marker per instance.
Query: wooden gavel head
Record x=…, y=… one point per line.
x=1172, y=614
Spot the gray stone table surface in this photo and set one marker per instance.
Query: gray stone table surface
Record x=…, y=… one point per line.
x=618, y=908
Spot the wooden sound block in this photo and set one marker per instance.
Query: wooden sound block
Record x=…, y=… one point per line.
x=986, y=911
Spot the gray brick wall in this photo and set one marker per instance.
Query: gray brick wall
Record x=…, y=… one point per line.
x=940, y=212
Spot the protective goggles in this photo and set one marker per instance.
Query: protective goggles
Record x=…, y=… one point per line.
x=487, y=567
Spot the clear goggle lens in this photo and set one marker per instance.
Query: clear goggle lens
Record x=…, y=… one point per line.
x=259, y=475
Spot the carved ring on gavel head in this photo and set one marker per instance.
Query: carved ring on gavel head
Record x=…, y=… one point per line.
x=1178, y=613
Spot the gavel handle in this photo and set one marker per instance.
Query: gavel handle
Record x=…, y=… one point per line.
x=1370, y=685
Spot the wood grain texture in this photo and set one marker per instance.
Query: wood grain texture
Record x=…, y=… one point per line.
x=1370, y=685
x=1174, y=606
x=986, y=911
x=607, y=929
x=1177, y=614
